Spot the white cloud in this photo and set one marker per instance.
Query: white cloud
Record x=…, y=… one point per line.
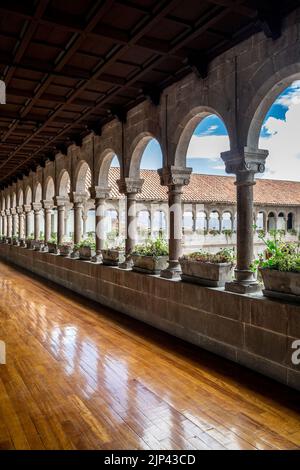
x=283, y=144
x=207, y=146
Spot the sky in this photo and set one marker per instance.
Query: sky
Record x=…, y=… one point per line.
x=279, y=135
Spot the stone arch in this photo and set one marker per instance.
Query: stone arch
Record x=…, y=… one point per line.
x=227, y=216
x=83, y=178
x=13, y=200
x=37, y=193
x=28, y=195
x=64, y=183
x=202, y=220
x=291, y=221
x=186, y=128
x=264, y=97
x=214, y=223
x=105, y=163
x=49, y=189
x=139, y=145
x=20, y=201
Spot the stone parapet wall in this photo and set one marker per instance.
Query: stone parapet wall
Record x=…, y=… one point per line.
x=250, y=330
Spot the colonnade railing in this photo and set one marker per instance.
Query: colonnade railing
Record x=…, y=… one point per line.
x=244, y=166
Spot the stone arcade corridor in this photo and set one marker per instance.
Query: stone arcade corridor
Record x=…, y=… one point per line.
x=79, y=375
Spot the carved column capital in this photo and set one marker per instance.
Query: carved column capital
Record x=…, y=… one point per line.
x=13, y=211
x=27, y=208
x=47, y=205
x=245, y=161
x=7, y=212
x=60, y=201
x=20, y=210
x=99, y=192
x=174, y=176
x=130, y=185
x=36, y=206
x=78, y=198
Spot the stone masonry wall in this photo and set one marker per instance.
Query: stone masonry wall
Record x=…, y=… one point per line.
x=250, y=330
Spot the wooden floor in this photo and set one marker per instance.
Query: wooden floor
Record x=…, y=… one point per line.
x=79, y=376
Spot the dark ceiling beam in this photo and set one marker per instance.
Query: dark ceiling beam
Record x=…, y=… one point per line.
x=244, y=10
x=28, y=33
x=212, y=17
x=163, y=8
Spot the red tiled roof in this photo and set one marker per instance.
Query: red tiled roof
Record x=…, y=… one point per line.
x=211, y=188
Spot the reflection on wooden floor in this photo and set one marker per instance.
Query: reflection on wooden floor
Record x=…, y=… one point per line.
x=79, y=376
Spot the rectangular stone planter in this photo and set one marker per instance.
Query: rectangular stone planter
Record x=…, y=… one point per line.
x=65, y=250
x=149, y=264
x=38, y=245
x=112, y=257
x=206, y=274
x=86, y=253
x=52, y=247
x=8, y=240
x=281, y=285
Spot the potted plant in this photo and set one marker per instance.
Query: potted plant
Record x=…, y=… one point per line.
x=52, y=243
x=15, y=240
x=66, y=248
x=29, y=242
x=86, y=248
x=279, y=268
x=38, y=245
x=208, y=269
x=150, y=257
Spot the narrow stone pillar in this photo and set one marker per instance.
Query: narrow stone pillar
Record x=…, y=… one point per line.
x=60, y=203
x=244, y=165
x=84, y=220
x=175, y=178
x=21, y=222
x=37, y=211
x=27, y=210
x=130, y=187
x=100, y=195
x=8, y=223
x=47, y=205
x=3, y=228
x=14, y=222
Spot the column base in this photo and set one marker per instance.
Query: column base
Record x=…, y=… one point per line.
x=173, y=271
x=127, y=264
x=239, y=287
x=97, y=259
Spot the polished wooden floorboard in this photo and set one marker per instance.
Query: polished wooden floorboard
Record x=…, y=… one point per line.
x=80, y=376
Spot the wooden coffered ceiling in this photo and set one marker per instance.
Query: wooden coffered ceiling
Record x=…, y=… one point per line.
x=72, y=65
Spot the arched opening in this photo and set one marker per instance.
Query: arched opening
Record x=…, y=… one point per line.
x=227, y=222
x=271, y=222
x=214, y=222
x=7, y=202
x=290, y=222
x=187, y=222
x=281, y=224
x=260, y=221
x=83, y=183
x=20, y=197
x=201, y=222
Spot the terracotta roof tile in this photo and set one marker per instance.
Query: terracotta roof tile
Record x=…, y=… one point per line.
x=211, y=188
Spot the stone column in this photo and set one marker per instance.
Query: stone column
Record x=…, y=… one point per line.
x=244, y=165
x=47, y=205
x=8, y=223
x=84, y=219
x=21, y=222
x=3, y=226
x=27, y=210
x=175, y=178
x=37, y=211
x=100, y=195
x=78, y=200
x=60, y=203
x=14, y=222
x=130, y=187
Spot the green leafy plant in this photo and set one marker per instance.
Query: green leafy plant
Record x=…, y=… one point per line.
x=278, y=255
x=86, y=243
x=53, y=238
x=226, y=255
x=293, y=232
x=227, y=232
x=155, y=248
x=214, y=232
